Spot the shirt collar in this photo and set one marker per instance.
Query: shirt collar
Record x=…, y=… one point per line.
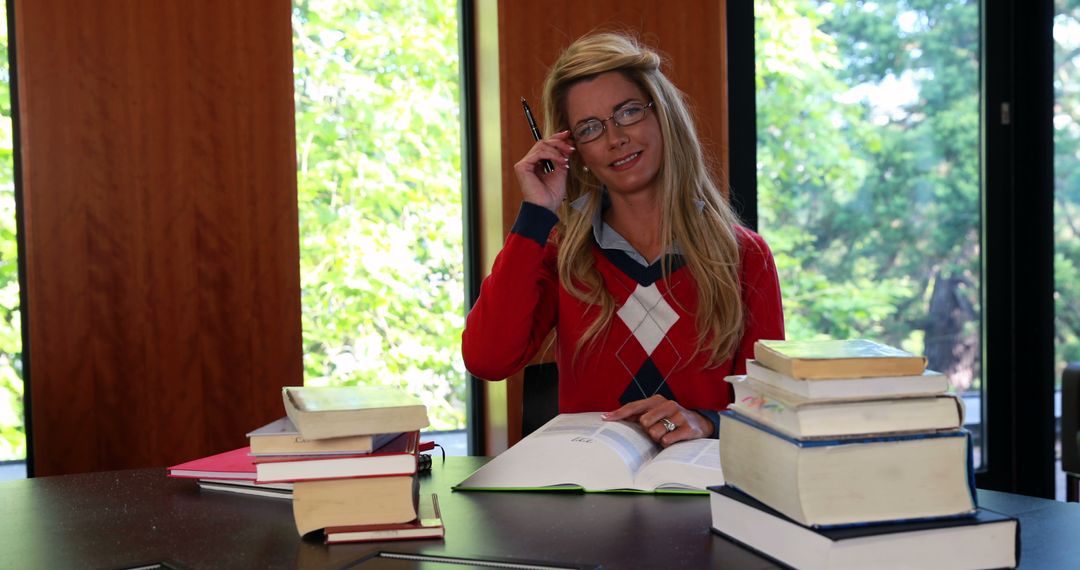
x=606, y=236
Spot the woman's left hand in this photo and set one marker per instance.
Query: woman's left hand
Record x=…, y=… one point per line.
x=650, y=413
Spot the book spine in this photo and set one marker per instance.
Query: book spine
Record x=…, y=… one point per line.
x=846, y=441
x=384, y=535
x=313, y=478
x=971, y=471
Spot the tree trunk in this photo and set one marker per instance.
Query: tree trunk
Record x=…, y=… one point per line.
x=951, y=342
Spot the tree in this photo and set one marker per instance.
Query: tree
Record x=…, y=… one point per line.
x=378, y=129
x=12, y=427
x=870, y=200
x=1067, y=181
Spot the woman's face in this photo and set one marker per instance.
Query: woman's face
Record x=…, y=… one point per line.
x=625, y=159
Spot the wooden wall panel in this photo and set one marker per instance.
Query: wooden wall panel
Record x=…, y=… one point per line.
x=161, y=235
x=532, y=35
x=690, y=34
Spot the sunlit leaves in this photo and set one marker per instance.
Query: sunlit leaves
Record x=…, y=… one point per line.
x=12, y=429
x=868, y=161
x=1067, y=180
x=378, y=148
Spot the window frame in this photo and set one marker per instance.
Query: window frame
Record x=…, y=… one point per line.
x=470, y=208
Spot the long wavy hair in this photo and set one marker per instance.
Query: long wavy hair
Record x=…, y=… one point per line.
x=695, y=214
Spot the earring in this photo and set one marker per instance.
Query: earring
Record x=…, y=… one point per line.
x=585, y=168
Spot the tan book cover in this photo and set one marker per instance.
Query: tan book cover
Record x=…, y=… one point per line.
x=362, y=501
x=851, y=480
x=855, y=358
x=341, y=411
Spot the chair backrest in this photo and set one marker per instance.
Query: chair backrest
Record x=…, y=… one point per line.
x=1070, y=419
x=539, y=397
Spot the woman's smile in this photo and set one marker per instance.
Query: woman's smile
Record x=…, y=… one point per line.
x=625, y=159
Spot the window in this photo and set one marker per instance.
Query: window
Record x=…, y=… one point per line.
x=379, y=171
x=868, y=175
x=1066, y=196
x=12, y=417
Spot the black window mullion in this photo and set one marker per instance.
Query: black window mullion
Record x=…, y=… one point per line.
x=742, y=111
x=470, y=201
x=1018, y=354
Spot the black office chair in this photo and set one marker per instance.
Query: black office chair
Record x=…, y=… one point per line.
x=539, y=396
x=1070, y=430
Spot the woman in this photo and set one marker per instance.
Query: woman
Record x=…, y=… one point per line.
x=629, y=250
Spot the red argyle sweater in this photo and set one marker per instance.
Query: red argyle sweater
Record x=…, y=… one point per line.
x=649, y=347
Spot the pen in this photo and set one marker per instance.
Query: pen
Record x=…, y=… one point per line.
x=548, y=167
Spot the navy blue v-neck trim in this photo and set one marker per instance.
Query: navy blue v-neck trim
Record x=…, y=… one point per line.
x=643, y=275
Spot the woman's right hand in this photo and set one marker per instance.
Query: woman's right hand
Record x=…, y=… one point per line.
x=547, y=189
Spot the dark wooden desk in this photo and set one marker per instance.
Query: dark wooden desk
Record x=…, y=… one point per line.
x=122, y=519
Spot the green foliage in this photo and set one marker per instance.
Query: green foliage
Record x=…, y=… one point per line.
x=867, y=205
x=379, y=166
x=1067, y=182
x=12, y=428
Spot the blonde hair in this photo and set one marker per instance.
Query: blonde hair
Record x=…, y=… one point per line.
x=696, y=214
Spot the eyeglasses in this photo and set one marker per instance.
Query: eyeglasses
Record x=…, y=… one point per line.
x=624, y=116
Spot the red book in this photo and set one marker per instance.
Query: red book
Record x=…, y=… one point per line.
x=235, y=464
x=398, y=457
x=427, y=525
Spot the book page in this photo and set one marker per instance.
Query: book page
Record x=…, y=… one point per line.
x=571, y=450
x=627, y=440
x=692, y=464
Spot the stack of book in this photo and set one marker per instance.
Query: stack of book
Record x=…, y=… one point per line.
x=347, y=457
x=849, y=454
x=356, y=464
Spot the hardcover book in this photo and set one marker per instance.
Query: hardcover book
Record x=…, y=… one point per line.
x=325, y=412
x=584, y=452
x=857, y=358
x=851, y=480
x=395, y=458
x=427, y=525
x=280, y=437
x=985, y=540
x=235, y=464
x=926, y=384
x=347, y=502
x=238, y=487
x=806, y=418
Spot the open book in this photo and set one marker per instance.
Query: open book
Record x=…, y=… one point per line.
x=582, y=451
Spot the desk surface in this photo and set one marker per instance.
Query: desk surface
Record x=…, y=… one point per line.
x=122, y=519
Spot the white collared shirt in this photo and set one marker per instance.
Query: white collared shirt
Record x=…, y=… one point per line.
x=607, y=238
